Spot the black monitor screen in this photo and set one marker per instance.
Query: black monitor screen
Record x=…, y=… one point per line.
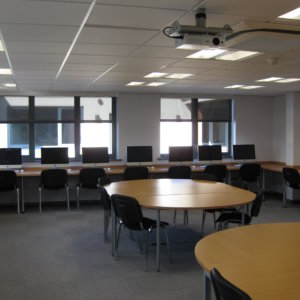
x=181, y=153
x=209, y=152
x=10, y=156
x=244, y=151
x=58, y=155
x=139, y=154
x=95, y=155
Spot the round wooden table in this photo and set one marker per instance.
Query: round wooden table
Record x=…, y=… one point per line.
x=180, y=194
x=263, y=260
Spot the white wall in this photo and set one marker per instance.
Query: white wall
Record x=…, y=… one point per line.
x=253, y=117
x=139, y=122
x=279, y=129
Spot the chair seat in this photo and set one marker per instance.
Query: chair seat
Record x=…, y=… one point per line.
x=147, y=224
x=233, y=217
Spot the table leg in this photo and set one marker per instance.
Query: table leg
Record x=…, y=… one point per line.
x=113, y=233
x=243, y=214
x=158, y=241
x=22, y=196
x=207, y=287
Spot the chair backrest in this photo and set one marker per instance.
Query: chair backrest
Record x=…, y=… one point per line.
x=256, y=205
x=179, y=172
x=88, y=177
x=239, y=183
x=129, y=210
x=8, y=180
x=53, y=179
x=224, y=289
x=134, y=173
x=291, y=177
x=105, y=198
x=204, y=176
x=249, y=172
x=104, y=180
x=218, y=170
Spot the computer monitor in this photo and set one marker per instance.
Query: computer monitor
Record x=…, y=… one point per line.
x=209, y=153
x=53, y=157
x=10, y=158
x=139, y=155
x=244, y=152
x=181, y=154
x=95, y=156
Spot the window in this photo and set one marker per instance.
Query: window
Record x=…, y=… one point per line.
x=96, y=122
x=176, y=124
x=34, y=122
x=14, y=123
x=186, y=122
x=214, y=123
x=54, y=124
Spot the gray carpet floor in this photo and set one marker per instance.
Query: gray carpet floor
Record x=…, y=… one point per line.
x=62, y=255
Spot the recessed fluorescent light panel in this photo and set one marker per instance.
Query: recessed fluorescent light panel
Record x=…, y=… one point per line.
x=12, y=85
x=251, y=87
x=207, y=54
x=156, y=83
x=235, y=86
x=237, y=55
x=269, y=79
x=178, y=75
x=156, y=75
x=135, y=83
x=292, y=15
x=5, y=71
x=288, y=80
x=1, y=46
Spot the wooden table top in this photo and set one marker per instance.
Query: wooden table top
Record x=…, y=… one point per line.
x=181, y=193
x=263, y=260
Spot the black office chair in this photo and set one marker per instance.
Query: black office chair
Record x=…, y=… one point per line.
x=236, y=216
x=291, y=178
x=88, y=179
x=106, y=203
x=218, y=170
x=131, y=216
x=225, y=290
x=180, y=172
x=8, y=182
x=54, y=179
x=250, y=173
x=136, y=172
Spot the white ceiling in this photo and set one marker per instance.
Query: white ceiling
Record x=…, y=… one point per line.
x=122, y=41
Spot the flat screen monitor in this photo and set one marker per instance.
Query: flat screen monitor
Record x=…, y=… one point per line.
x=181, y=154
x=243, y=152
x=95, y=156
x=10, y=158
x=209, y=153
x=54, y=156
x=139, y=155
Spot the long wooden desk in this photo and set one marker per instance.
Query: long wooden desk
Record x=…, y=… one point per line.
x=263, y=260
x=180, y=194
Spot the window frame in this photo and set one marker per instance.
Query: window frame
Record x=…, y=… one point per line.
x=195, y=120
x=31, y=121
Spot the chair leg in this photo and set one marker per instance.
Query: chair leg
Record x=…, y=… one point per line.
x=77, y=196
x=214, y=214
x=168, y=244
x=40, y=199
x=284, y=195
x=18, y=200
x=106, y=225
x=118, y=240
x=68, y=198
x=186, y=217
x=174, y=218
x=203, y=220
x=147, y=248
x=140, y=242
